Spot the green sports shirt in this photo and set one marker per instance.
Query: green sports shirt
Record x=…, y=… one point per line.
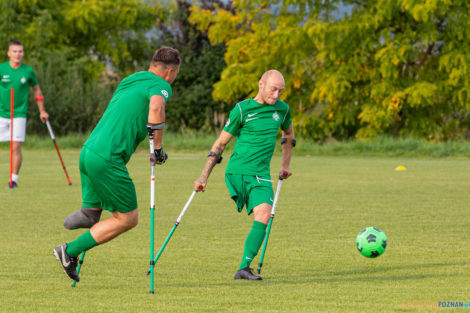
x=124, y=123
x=255, y=126
x=20, y=79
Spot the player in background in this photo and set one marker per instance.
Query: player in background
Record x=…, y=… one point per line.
x=19, y=76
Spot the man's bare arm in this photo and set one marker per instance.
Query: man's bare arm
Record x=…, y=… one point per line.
x=287, y=146
x=214, y=156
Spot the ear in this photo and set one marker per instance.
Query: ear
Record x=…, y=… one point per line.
x=168, y=73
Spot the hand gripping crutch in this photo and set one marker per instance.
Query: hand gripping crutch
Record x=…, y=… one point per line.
x=152, y=207
x=58, y=152
x=180, y=217
x=268, y=230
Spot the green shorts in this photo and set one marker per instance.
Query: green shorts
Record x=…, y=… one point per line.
x=106, y=184
x=249, y=190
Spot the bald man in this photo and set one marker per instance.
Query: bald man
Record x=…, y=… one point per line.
x=255, y=123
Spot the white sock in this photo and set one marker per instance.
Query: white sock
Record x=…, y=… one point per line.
x=14, y=177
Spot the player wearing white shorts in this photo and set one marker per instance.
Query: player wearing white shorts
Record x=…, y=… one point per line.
x=19, y=76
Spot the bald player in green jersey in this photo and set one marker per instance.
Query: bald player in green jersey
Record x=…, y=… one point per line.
x=255, y=123
x=137, y=104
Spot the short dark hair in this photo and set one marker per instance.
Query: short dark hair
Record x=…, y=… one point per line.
x=15, y=43
x=167, y=56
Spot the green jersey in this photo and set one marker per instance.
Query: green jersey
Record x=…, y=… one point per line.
x=20, y=79
x=255, y=125
x=124, y=123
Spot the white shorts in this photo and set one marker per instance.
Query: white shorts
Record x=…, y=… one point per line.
x=19, y=129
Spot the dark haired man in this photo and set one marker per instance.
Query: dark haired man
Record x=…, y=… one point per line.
x=19, y=76
x=138, y=102
x=255, y=122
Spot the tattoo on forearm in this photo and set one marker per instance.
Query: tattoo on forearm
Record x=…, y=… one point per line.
x=212, y=161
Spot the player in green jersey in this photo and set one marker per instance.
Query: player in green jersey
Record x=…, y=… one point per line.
x=255, y=123
x=19, y=76
x=138, y=103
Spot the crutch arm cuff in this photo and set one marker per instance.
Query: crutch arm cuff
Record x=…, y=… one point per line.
x=217, y=156
x=152, y=126
x=293, y=141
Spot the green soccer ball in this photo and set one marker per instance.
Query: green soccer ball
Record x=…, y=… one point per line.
x=371, y=242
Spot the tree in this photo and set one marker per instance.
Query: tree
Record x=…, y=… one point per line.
x=107, y=32
x=385, y=67
x=74, y=46
x=192, y=106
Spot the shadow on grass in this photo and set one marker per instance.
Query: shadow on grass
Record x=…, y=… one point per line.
x=330, y=276
x=380, y=269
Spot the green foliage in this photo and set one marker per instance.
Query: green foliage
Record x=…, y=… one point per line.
x=200, y=142
x=386, y=67
x=74, y=104
x=108, y=32
x=192, y=106
x=81, y=49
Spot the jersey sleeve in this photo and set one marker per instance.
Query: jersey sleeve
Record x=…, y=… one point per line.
x=234, y=121
x=287, y=121
x=32, y=80
x=163, y=90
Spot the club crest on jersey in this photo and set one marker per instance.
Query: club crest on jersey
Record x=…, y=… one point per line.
x=165, y=93
x=23, y=80
x=276, y=116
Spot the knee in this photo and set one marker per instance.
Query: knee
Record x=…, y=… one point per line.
x=17, y=147
x=263, y=213
x=131, y=220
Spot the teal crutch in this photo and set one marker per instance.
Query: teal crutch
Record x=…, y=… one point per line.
x=80, y=262
x=178, y=220
x=268, y=230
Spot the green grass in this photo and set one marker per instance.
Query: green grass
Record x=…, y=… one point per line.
x=311, y=264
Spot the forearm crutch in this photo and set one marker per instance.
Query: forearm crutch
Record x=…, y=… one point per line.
x=58, y=152
x=268, y=230
x=80, y=262
x=152, y=207
x=12, y=108
x=178, y=220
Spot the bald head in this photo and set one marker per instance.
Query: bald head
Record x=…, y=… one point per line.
x=270, y=86
x=272, y=75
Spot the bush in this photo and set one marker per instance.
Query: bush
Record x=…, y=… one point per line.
x=74, y=99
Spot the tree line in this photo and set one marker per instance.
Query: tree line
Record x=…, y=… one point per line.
x=353, y=68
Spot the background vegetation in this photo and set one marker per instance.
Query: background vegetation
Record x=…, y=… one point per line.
x=353, y=68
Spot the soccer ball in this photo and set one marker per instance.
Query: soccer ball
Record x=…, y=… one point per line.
x=371, y=242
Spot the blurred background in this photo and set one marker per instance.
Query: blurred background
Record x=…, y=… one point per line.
x=353, y=69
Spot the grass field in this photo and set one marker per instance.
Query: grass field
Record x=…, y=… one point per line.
x=311, y=264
